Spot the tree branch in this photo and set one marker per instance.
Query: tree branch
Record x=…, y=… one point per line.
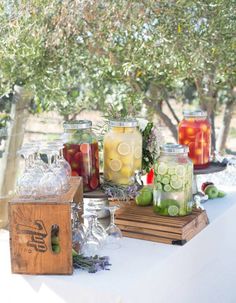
x=171, y=110
x=157, y=107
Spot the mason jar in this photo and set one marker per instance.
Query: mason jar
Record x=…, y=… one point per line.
x=122, y=152
x=172, y=195
x=195, y=132
x=81, y=151
x=98, y=201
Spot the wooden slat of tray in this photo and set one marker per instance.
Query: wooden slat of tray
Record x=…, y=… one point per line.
x=147, y=237
x=151, y=232
x=142, y=223
x=149, y=226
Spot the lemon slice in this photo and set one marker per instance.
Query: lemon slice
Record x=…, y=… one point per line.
x=162, y=168
x=115, y=164
x=176, y=184
x=124, y=149
x=137, y=152
x=173, y=210
x=180, y=170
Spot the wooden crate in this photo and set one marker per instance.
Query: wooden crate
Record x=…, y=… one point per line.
x=30, y=225
x=142, y=223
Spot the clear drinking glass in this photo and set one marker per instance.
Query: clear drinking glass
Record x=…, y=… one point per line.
x=50, y=183
x=97, y=227
x=90, y=244
x=58, y=145
x=78, y=230
x=27, y=184
x=59, y=170
x=113, y=231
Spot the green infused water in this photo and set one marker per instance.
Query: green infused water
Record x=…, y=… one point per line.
x=172, y=194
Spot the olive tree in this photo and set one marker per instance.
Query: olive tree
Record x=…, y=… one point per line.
x=80, y=54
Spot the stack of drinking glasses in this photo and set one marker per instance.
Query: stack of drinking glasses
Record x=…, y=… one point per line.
x=90, y=237
x=46, y=172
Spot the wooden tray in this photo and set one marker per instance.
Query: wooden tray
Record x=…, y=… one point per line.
x=142, y=223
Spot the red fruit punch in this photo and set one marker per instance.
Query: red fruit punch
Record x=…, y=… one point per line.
x=74, y=173
x=78, y=156
x=94, y=182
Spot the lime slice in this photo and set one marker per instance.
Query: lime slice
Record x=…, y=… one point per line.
x=137, y=152
x=115, y=164
x=173, y=210
x=162, y=168
x=176, y=184
x=180, y=170
x=165, y=180
x=171, y=170
x=157, y=178
x=158, y=186
x=167, y=187
x=174, y=178
x=124, y=149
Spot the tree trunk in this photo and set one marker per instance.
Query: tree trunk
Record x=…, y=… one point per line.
x=224, y=131
x=209, y=104
x=157, y=106
x=10, y=162
x=213, y=132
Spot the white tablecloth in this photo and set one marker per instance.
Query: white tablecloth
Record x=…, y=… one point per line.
x=201, y=271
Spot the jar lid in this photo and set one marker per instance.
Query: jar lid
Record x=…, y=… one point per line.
x=96, y=194
x=195, y=113
x=174, y=148
x=123, y=123
x=77, y=124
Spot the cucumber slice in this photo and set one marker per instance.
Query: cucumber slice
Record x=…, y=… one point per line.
x=158, y=178
x=176, y=184
x=165, y=180
x=167, y=188
x=173, y=210
x=174, y=177
x=180, y=170
x=171, y=170
x=162, y=168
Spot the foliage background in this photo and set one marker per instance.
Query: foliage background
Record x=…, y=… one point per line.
x=135, y=55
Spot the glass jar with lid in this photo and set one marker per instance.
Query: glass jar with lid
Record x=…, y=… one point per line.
x=81, y=151
x=172, y=195
x=195, y=131
x=122, y=152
